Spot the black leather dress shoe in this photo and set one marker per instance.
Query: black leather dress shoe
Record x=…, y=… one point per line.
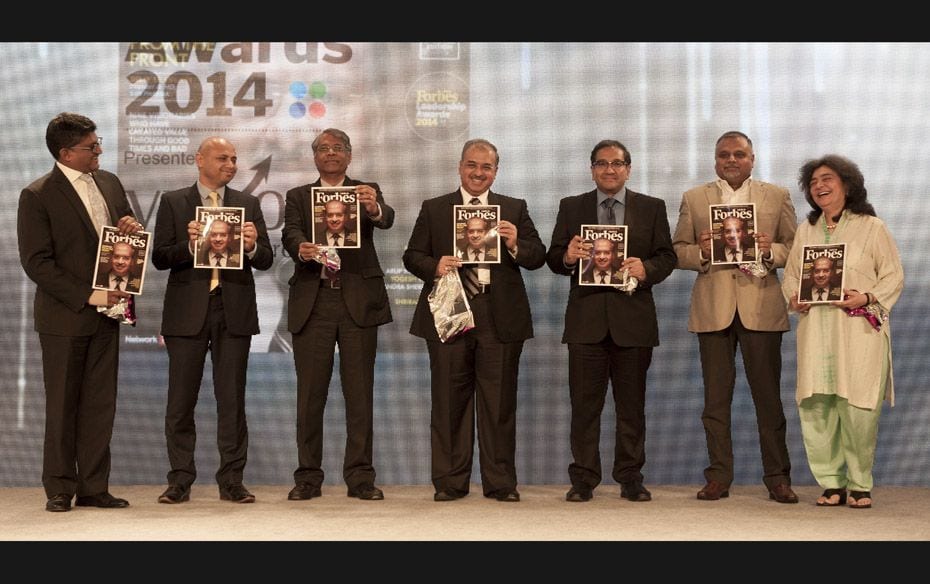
x=236, y=494
x=57, y=503
x=104, y=500
x=783, y=494
x=175, y=494
x=303, y=491
x=579, y=495
x=367, y=492
x=446, y=496
x=507, y=496
x=635, y=492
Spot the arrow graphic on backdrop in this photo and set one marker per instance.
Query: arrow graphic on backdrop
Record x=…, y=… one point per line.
x=263, y=169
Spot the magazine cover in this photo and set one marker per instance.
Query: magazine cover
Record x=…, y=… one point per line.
x=822, y=274
x=733, y=228
x=220, y=245
x=335, y=217
x=476, y=237
x=121, y=260
x=608, y=250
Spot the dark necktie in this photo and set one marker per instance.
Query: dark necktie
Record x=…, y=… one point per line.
x=469, y=273
x=218, y=260
x=336, y=237
x=820, y=292
x=119, y=282
x=603, y=277
x=609, y=205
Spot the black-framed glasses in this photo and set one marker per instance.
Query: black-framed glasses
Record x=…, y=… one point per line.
x=614, y=164
x=326, y=149
x=92, y=148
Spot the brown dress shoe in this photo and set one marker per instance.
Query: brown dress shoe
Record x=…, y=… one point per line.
x=783, y=494
x=713, y=491
x=303, y=491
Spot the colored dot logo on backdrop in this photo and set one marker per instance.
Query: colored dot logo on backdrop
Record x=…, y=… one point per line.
x=315, y=94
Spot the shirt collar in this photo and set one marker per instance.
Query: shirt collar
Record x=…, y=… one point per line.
x=205, y=194
x=619, y=197
x=72, y=175
x=467, y=197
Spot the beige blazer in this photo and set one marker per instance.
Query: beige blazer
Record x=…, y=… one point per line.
x=719, y=291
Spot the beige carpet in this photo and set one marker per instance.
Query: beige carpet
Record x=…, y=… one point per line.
x=408, y=513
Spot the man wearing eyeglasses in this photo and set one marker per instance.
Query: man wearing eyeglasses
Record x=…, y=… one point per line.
x=474, y=375
x=730, y=307
x=328, y=306
x=59, y=220
x=610, y=332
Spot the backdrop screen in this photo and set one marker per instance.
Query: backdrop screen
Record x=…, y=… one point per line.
x=408, y=108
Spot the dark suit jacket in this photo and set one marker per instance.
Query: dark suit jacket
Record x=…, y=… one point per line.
x=187, y=292
x=361, y=275
x=748, y=245
x=631, y=319
x=433, y=238
x=58, y=249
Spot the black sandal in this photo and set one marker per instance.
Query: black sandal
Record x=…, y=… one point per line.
x=829, y=493
x=855, y=496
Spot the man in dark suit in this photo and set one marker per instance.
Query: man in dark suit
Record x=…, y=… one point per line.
x=59, y=220
x=221, y=247
x=205, y=310
x=118, y=276
x=822, y=285
x=610, y=334
x=603, y=269
x=326, y=307
x=734, y=245
x=461, y=382
x=730, y=308
x=476, y=247
x=336, y=213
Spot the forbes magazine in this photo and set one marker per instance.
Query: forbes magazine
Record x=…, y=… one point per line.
x=220, y=245
x=607, y=244
x=334, y=215
x=733, y=229
x=823, y=276
x=476, y=238
x=121, y=260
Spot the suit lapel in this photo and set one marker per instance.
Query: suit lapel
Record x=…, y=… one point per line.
x=70, y=195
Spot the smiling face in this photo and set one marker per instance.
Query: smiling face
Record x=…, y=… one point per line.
x=478, y=169
x=733, y=160
x=828, y=190
x=83, y=156
x=332, y=157
x=335, y=216
x=823, y=271
x=219, y=236
x=216, y=159
x=121, y=259
x=603, y=254
x=475, y=229
x=610, y=170
x=732, y=232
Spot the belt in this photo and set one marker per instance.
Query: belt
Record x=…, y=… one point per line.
x=330, y=283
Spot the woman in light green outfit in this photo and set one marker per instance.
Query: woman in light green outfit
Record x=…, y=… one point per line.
x=844, y=347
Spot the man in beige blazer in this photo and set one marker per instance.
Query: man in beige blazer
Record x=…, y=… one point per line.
x=730, y=307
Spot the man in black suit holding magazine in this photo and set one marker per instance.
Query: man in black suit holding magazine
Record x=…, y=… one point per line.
x=610, y=333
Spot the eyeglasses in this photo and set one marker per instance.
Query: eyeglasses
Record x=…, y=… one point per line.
x=92, y=148
x=326, y=149
x=603, y=164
